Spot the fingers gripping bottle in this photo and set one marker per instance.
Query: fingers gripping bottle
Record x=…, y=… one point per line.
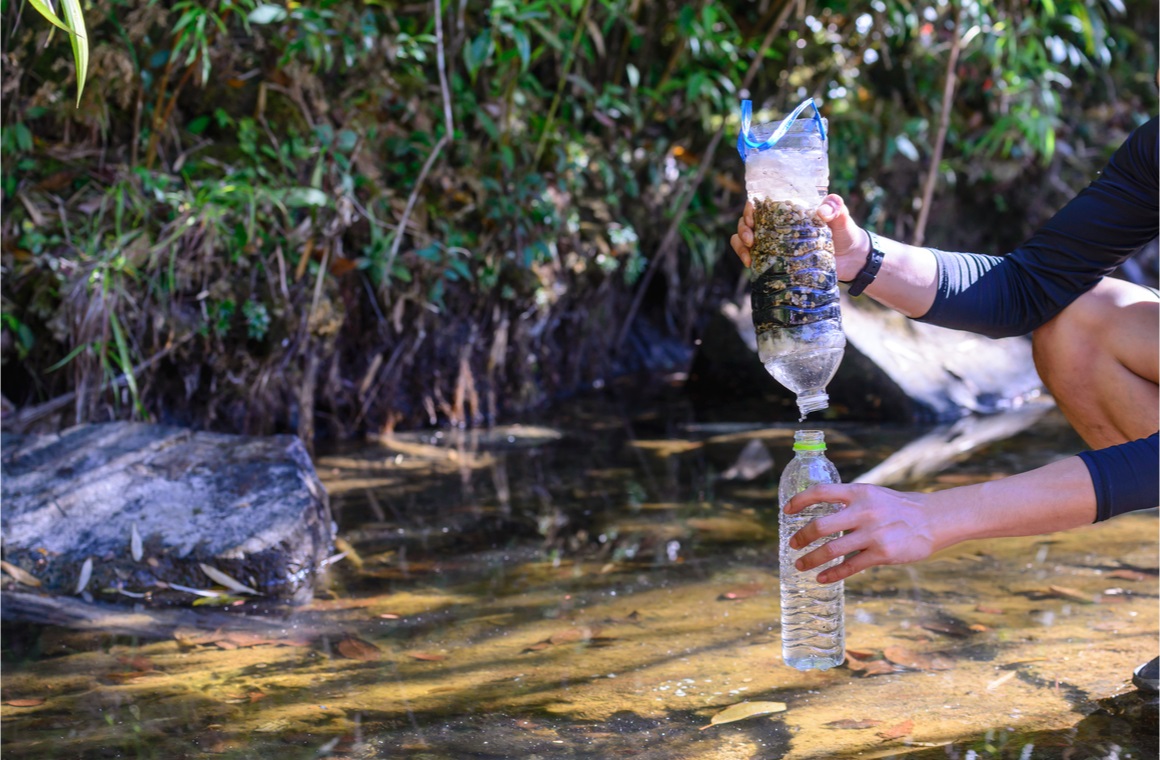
x=795, y=283
x=813, y=627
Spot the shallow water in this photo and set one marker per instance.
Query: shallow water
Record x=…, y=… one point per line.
x=601, y=586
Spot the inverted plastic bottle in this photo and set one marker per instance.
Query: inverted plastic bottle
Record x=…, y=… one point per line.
x=795, y=285
x=813, y=627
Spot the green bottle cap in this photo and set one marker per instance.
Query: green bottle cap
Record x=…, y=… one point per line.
x=802, y=446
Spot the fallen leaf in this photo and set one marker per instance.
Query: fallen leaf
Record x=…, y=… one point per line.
x=225, y=644
x=427, y=656
x=870, y=667
x=20, y=575
x=1063, y=592
x=979, y=628
x=389, y=616
x=573, y=635
x=954, y=628
x=988, y=610
x=354, y=648
x=861, y=654
x=137, y=663
x=1107, y=598
x=850, y=723
x=136, y=549
x=900, y=730
x=745, y=592
x=1113, y=625
x=1001, y=680
x=1129, y=575
x=30, y=702
x=227, y=581
x=538, y=646
x=85, y=576
x=916, y=660
x=634, y=616
x=124, y=677
x=743, y=710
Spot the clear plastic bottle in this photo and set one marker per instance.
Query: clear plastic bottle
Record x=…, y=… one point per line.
x=813, y=628
x=795, y=286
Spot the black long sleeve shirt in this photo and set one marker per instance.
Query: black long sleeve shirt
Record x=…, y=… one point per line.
x=1086, y=240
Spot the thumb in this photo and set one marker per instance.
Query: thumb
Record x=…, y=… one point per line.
x=849, y=239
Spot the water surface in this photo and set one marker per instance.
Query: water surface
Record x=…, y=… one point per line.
x=600, y=584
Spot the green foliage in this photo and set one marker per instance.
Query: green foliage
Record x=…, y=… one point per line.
x=239, y=171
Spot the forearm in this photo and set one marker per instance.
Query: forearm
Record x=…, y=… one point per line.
x=1056, y=497
x=907, y=281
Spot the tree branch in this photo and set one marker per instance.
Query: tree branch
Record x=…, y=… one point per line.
x=943, y=123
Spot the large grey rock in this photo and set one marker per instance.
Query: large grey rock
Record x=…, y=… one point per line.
x=252, y=508
x=894, y=368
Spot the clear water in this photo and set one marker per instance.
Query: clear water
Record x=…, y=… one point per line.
x=813, y=632
x=603, y=593
x=806, y=373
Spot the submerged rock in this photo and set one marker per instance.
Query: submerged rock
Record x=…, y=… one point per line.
x=894, y=368
x=154, y=506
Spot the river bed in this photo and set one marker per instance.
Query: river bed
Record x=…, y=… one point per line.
x=603, y=582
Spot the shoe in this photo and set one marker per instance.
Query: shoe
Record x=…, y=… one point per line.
x=1147, y=676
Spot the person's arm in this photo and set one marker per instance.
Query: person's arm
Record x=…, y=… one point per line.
x=1014, y=294
x=888, y=527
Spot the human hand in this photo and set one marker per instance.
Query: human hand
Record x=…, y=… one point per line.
x=884, y=526
x=851, y=242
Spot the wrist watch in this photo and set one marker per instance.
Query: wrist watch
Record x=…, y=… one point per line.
x=870, y=271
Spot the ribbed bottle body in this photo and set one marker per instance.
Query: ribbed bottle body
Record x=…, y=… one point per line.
x=812, y=614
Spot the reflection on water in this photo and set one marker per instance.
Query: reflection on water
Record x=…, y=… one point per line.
x=602, y=587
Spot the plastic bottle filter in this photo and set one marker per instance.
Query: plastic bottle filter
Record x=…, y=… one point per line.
x=813, y=627
x=795, y=285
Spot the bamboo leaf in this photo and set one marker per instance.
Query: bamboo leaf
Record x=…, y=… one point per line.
x=85, y=576
x=225, y=580
x=744, y=710
x=135, y=547
x=43, y=9
x=75, y=18
x=19, y=574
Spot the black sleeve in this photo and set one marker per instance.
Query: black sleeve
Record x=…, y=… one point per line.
x=1126, y=477
x=1086, y=240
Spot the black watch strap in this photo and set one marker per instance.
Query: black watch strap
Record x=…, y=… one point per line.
x=870, y=271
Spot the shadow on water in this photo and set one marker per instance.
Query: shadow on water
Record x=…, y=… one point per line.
x=600, y=585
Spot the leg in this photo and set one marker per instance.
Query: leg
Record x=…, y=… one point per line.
x=1100, y=358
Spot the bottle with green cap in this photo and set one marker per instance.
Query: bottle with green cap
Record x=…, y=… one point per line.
x=813, y=631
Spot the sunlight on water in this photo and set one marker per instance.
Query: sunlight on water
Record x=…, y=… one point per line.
x=602, y=589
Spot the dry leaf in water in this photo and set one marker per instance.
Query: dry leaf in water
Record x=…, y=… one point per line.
x=20, y=575
x=850, y=723
x=1063, y=592
x=30, y=702
x=745, y=592
x=870, y=667
x=354, y=648
x=743, y=710
x=988, y=610
x=573, y=635
x=427, y=656
x=900, y=730
x=1001, y=680
x=1129, y=575
x=538, y=646
x=916, y=660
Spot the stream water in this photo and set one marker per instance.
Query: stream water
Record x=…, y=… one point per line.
x=600, y=584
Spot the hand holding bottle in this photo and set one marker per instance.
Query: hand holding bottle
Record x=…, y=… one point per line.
x=851, y=242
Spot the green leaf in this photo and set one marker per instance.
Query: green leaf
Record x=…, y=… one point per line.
x=298, y=197
x=267, y=13
x=71, y=355
x=43, y=9
x=477, y=53
x=523, y=46
x=123, y=356
x=633, y=75
x=75, y=18
x=198, y=125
